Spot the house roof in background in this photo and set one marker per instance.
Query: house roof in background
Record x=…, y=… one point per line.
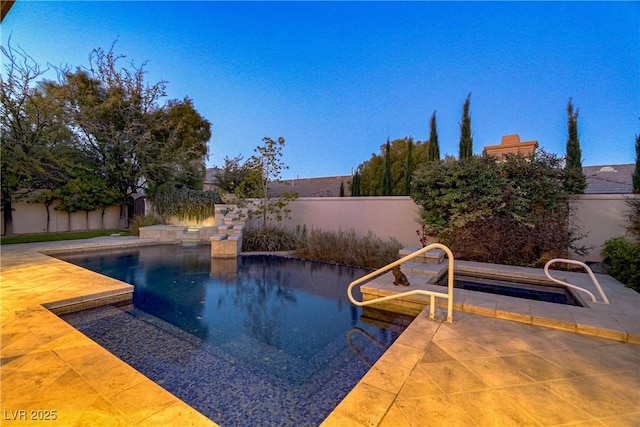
x=604, y=179
x=609, y=179
x=313, y=187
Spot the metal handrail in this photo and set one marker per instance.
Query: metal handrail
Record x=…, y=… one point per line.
x=605, y=300
x=432, y=294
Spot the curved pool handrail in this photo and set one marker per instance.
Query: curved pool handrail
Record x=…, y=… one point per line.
x=431, y=294
x=605, y=300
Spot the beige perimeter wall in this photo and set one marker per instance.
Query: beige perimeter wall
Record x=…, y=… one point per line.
x=393, y=216
x=32, y=218
x=602, y=216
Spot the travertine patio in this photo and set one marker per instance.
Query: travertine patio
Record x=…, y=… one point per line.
x=551, y=366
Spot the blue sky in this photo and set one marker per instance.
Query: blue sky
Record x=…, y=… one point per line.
x=336, y=79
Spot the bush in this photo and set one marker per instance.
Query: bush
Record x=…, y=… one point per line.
x=268, y=239
x=633, y=217
x=514, y=211
x=346, y=247
x=623, y=258
x=142, y=221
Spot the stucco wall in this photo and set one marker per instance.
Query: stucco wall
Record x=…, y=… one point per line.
x=32, y=218
x=395, y=216
x=603, y=217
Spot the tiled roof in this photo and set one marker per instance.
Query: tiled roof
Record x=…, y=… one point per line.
x=606, y=179
x=609, y=179
x=313, y=187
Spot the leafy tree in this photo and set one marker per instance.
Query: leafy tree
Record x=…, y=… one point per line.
x=575, y=179
x=131, y=141
x=466, y=138
x=636, y=172
x=31, y=136
x=90, y=192
x=371, y=172
x=178, y=149
x=516, y=211
x=268, y=162
x=386, y=175
x=234, y=178
x=434, y=147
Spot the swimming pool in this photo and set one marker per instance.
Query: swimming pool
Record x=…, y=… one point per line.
x=260, y=340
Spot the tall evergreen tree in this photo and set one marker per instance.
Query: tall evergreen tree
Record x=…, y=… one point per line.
x=355, y=185
x=434, y=148
x=408, y=167
x=575, y=180
x=466, y=138
x=636, y=172
x=387, y=187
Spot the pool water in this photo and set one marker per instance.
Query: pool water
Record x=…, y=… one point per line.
x=257, y=340
x=533, y=291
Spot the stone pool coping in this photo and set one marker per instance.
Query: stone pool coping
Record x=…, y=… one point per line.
x=49, y=366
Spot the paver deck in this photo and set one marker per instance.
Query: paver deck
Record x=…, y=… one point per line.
x=482, y=370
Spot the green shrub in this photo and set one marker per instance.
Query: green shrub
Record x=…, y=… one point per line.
x=514, y=211
x=186, y=203
x=268, y=239
x=346, y=247
x=623, y=258
x=142, y=221
x=633, y=217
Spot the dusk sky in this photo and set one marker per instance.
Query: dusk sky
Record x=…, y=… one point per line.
x=336, y=79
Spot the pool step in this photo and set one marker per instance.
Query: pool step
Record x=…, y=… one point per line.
x=433, y=271
x=433, y=257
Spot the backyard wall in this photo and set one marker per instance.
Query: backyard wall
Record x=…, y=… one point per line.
x=603, y=217
x=385, y=216
x=32, y=218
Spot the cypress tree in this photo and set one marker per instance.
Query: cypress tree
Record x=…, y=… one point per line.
x=408, y=167
x=575, y=180
x=387, y=188
x=636, y=172
x=466, y=139
x=355, y=185
x=434, y=148
x=342, y=189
